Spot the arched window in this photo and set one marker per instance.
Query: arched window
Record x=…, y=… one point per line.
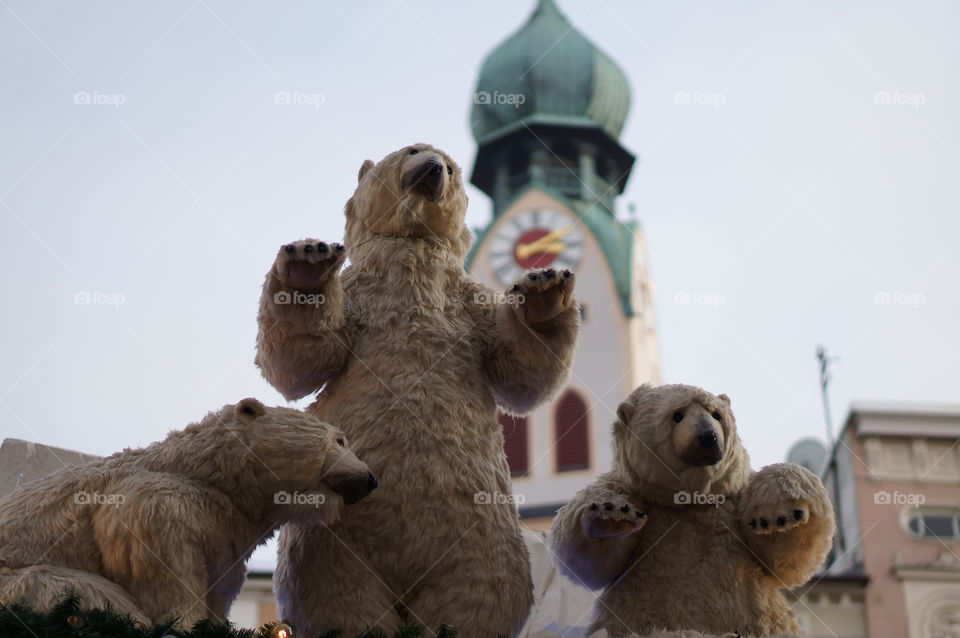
x=515, y=442
x=573, y=433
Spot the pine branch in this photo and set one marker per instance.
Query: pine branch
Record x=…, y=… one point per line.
x=67, y=620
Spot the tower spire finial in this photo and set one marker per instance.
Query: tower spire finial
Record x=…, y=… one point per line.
x=545, y=7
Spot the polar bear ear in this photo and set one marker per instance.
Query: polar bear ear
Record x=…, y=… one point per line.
x=366, y=166
x=724, y=398
x=249, y=409
x=629, y=405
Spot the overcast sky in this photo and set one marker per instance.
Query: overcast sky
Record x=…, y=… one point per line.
x=798, y=169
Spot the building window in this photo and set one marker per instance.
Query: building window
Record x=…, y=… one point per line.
x=518, y=161
x=573, y=435
x=515, y=442
x=943, y=524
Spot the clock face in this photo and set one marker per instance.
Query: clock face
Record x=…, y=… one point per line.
x=537, y=238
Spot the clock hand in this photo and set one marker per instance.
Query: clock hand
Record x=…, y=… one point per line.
x=525, y=250
x=553, y=236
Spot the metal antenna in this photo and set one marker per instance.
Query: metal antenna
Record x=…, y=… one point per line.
x=825, y=360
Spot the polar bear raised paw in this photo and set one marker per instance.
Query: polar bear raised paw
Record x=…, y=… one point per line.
x=543, y=294
x=308, y=264
x=616, y=517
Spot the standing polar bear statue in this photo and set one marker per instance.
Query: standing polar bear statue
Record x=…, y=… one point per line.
x=681, y=534
x=413, y=357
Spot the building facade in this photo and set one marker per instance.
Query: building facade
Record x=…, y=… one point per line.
x=831, y=606
x=547, y=114
x=894, y=477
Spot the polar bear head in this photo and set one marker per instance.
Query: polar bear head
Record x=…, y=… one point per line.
x=275, y=463
x=674, y=440
x=414, y=193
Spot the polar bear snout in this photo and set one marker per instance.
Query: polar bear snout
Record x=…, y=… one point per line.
x=709, y=445
x=703, y=444
x=425, y=175
x=347, y=475
x=352, y=486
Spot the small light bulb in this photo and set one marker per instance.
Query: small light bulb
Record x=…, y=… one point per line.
x=282, y=630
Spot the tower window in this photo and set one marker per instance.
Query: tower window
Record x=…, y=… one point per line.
x=566, y=154
x=517, y=161
x=573, y=435
x=515, y=442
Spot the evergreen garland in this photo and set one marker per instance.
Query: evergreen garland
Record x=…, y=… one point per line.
x=66, y=620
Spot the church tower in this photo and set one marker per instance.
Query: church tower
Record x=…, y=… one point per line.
x=547, y=114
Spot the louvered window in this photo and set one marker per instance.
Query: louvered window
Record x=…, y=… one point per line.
x=573, y=434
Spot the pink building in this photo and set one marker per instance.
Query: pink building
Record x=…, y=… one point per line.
x=894, y=476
